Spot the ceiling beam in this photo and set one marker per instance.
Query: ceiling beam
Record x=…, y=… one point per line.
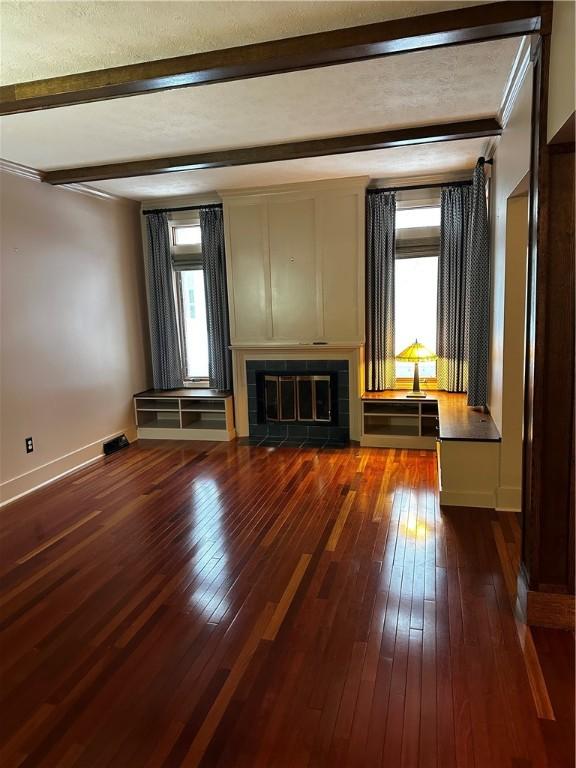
x=466, y=25
x=270, y=153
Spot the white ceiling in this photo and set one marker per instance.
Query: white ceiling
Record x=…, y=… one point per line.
x=42, y=39
x=419, y=160
x=51, y=38
x=445, y=85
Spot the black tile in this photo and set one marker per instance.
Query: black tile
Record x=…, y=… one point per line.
x=277, y=430
x=320, y=432
x=341, y=365
x=258, y=430
x=297, y=430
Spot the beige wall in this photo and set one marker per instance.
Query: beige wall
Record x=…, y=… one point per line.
x=510, y=481
x=74, y=329
x=562, y=87
x=511, y=164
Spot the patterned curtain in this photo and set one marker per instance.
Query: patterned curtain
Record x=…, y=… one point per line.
x=166, y=361
x=478, y=290
x=214, y=260
x=380, y=252
x=452, y=311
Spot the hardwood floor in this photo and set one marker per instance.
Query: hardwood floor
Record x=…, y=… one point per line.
x=208, y=604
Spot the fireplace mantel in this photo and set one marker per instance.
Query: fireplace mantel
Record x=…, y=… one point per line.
x=301, y=348
x=353, y=352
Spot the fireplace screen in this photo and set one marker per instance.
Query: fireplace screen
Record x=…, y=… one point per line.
x=298, y=398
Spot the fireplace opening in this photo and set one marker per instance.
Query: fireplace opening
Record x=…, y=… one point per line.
x=309, y=398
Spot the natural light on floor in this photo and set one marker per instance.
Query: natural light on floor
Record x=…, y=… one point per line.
x=195, y=327
x=415, y=310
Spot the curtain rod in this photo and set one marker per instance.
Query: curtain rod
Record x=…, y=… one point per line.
x=419, y=186
x=185, y=208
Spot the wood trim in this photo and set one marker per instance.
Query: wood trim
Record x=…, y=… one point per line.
x=548, y=609
x=547, y=546
x=340, y=46
x=271, y=153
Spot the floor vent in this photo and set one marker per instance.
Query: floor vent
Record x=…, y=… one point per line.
x=115, y=444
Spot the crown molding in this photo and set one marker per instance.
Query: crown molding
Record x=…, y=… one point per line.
x=25, y=172
x=407, y=181
x=514, y=82
x=16, y=169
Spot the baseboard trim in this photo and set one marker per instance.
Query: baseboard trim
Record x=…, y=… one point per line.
x=549, y=609
x=482, y=499
x=22, y=485
x=508, y=499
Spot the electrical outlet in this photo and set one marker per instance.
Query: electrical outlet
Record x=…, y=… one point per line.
x=29, y=445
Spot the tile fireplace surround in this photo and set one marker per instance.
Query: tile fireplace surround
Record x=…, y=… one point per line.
x=337, y=432
x=344, y=360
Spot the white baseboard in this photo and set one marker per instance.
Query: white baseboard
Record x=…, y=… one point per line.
x=483, y=499
x=166, y=433
x=13, y=489
x=508, y=499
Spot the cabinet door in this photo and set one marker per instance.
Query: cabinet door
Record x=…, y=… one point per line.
x=341, y=235
x=247, y=264
x=293, y=281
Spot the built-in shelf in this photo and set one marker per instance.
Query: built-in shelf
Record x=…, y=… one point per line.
x=399, y=424
x=185, y=414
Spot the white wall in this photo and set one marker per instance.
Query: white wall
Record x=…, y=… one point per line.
x=74, y=330
x=511, y=164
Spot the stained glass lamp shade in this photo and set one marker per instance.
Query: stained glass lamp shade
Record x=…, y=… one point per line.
x=416, y=353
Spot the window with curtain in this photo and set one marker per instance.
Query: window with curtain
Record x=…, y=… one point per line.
x=416, y=279
x=186, y=248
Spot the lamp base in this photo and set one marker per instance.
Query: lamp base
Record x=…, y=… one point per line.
x=416, y=395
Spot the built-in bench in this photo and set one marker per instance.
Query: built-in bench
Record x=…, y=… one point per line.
x=466, y=440
x=184, y=414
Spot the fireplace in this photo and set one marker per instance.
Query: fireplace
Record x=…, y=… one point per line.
x=309, y=398
x=298, y=400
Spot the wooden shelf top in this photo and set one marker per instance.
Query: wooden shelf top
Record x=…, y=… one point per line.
x=184, y=392
x=456, y=420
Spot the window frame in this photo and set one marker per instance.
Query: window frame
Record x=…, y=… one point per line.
x=176, y=220
x=406, y=201
x=189, y=381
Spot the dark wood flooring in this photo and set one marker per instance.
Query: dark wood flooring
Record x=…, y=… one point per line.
x=223, y=605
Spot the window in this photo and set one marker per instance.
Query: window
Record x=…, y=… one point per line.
x=186, y=247
x=193, y=325
x=415, y=218
x=187, y=234
x=416, y=276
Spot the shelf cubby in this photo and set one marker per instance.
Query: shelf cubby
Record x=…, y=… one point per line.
x=184, y=415
x=398, y=423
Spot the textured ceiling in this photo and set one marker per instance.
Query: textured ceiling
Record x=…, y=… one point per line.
x=449, y=84
x=46, y=39
x=424, y=159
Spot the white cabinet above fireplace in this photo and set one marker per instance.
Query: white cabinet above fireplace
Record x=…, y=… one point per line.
x=295, y=262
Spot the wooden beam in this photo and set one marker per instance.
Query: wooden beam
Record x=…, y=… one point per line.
x=341, y=46
x=271, y=153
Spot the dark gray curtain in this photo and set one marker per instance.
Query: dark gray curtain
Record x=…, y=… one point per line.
x=380, y=251
x=166, y=361
x=214, y=261
x=452, y=312
x=478, y=289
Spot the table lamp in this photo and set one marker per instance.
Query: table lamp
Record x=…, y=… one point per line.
x=416, y=353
